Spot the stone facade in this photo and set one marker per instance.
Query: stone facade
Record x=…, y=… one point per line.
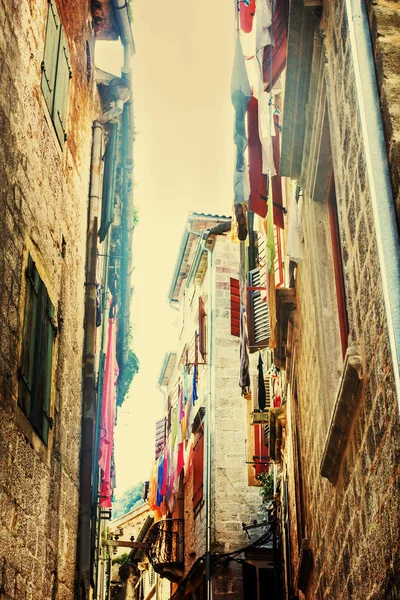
x=44, y=191
x=233, y=501
x=352, y=521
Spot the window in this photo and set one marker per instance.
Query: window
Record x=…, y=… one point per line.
x=198, y=466
x=56, y=73
x=39, y=331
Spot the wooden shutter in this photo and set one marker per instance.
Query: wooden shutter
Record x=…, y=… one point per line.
x=63, y=76
x=49, y=63
x=279, y=49
x=48, y=334
x=257, y=308
x=261, y=454
x=235, y=307
x=27, y=365
x=161, y=433
x=35, y=371
x=198, y=466
x=107, y=202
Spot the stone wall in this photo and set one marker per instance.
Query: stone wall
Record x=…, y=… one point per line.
x=354, y=524
x=44, y=195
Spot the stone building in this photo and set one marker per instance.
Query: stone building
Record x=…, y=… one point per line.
x=51, y=173
x=334, y=435
x=204, y=491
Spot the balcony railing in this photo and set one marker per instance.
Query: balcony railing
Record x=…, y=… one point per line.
x=166, y=548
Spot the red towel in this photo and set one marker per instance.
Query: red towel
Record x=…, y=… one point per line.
x=246, y=13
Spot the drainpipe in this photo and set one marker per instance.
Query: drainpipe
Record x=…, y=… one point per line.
x=209, y=414
x=89, y=370
x=386, y=231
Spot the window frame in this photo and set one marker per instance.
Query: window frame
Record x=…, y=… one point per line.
x=198, y=468
x=37, y=353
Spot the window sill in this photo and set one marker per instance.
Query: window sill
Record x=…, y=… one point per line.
x=342, y=416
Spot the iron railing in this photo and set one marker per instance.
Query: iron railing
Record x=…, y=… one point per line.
x=166, y=544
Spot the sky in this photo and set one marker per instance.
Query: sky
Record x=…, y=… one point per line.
x=184, y=156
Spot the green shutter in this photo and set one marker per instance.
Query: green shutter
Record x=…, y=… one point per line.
x=60, y=105
x=45, y=369
x=107, y=202
x=27, y=366
x=49, y=63
x=258, y=316
x=34, y=393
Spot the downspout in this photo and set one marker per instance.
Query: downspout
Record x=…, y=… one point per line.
x=209, y=413
x=127, y=224
x=89, y=370
x=386, y=231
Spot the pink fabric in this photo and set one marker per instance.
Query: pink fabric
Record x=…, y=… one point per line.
x=108, y=410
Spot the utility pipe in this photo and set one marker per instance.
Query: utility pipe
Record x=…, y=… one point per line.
x=386, y=231
x=89, y=368
x=209, y=413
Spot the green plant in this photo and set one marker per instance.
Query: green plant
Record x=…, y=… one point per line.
x=127, y=374
x=121, y=559
x=267, y=486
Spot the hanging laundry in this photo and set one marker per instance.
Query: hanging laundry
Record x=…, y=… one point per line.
x=108, y=412
x=261, y=384
x=271, y=271
x=194, y=385
x=181, y=409
x=160, y=480
x=258, y=181
x=247, y=9
x=240, y=94
x=244, y=374
x=295, y=231
x=254, y=392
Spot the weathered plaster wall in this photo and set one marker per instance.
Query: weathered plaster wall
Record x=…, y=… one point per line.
x=353, y=525
x=44, y=195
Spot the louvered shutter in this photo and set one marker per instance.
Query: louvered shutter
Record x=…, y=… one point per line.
x=198, y=464
x=235, y=307
x=161, y=432
x=49, y=63
x=258, y=319
x=261, y=455
x=279, y=49
x=107, y=203
x=27, y=364
x=63, y=76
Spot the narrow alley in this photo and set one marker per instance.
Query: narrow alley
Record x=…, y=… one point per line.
x=200, y=311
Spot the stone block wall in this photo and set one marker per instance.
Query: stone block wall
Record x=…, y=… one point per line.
x=44, y=195
x=354, y=525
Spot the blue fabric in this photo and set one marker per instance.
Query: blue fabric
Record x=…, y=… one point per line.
x=160, y=478
x=194, y=386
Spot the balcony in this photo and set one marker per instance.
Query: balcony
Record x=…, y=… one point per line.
x=166, y=548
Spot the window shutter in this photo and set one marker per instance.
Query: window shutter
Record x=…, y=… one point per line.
x=235, y=307
x=45, y=369
x=257, y=308
x=27, y=366
x=107, y=203
x=161, y=431
x=63, y=76
x=198, y=463
x=49, y=63
x=279, y=49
